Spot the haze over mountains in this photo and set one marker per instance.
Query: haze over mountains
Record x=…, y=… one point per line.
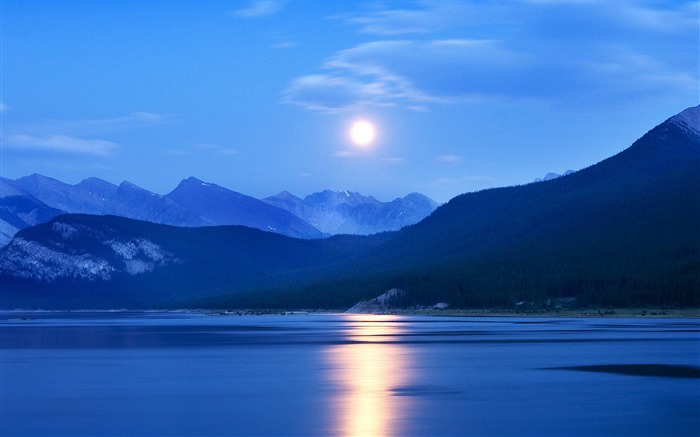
x=623, y=232
x=35, y=199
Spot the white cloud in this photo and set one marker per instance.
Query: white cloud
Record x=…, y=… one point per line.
x=563, y=53
x=414, y=74
x=655, y=20
x=76, y=137
x=328, y=92
x=605, y=19
x=434, y=70
x=3, y=108
x=61, y=144
x=566, y=16
x=408, y=73
x=260, y=8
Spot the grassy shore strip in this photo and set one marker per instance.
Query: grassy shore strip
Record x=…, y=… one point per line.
x=671, y=313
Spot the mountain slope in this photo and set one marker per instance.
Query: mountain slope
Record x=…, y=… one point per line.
x=507, y=215
x=625, y=231
x=221, y=206
x=193, y=203
x=622, y=232
x=19, y=210
x=108, y=261
x=630, y=221
x=343, y=212
x=70, y=198
x=197, y=203
x=134, y=202
x=96, y=196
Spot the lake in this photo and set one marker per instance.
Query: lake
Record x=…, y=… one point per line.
x=192, y=374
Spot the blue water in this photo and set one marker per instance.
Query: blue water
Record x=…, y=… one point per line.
x=189, y=374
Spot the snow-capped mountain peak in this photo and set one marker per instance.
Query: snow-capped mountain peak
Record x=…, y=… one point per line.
x=348, y=212
x=688, y=119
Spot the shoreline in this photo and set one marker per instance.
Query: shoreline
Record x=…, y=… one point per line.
x=659, y=313
x=667, y=313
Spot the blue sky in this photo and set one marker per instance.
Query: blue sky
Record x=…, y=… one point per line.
x=259, y=96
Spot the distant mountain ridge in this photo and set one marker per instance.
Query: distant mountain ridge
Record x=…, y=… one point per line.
x=221, y=206
x=551, y=175
x=343, y=212
x=96, y=196
x=623, y=232
x=194, y=203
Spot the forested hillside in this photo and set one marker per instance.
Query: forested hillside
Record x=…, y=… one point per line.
x=623, y=232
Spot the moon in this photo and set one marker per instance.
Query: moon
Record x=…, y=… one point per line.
x=362, y=133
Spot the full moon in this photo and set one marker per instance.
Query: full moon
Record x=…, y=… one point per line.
x=362, y=133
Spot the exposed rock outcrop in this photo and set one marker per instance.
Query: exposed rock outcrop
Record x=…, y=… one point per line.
x=388, y=301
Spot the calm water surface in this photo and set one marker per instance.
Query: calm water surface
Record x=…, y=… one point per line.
x=124, y=373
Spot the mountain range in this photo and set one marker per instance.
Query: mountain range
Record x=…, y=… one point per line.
x=36, y=199
x=623, y=232
x=342, y=212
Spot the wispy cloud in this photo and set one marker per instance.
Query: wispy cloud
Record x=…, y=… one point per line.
x=3, y=108
x=78, y=137
x=89, y=127
x=393, y=160
x=415, y=18
x=288, y=44
x=555, y=52
x=449, y=159
x=345, y=154
x=61, y=144
x=260, y=8
x=567, y=17
x=203, y=149
x=410, y=74
x=327, y=93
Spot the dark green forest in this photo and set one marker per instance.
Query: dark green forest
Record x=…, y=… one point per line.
x=625, y=232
